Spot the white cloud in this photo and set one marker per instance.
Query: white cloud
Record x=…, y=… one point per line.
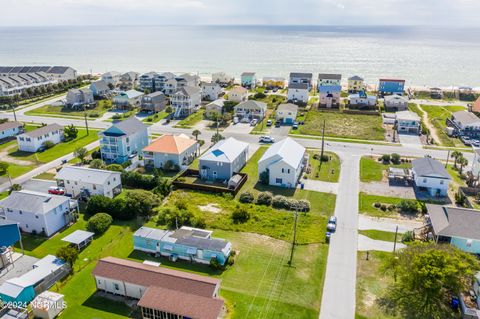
x=300, y=12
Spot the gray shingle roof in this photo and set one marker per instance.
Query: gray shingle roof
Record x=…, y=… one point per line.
x=287, y=107
x=188, y=90
x=301, y=75
x=35, y=202
x=248, y=74
x=301, y=86
x=330, y=76
x=9, y=125
x=355, y=78
x=454, y=221
x=44, y=130
x=465, y=117
x=130, y=125
x=428, y=167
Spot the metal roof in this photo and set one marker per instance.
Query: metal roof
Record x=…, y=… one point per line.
x=429, y=167
x=78, y=237
x=301, y=75
x=407, y=115
x=85, y=174
x=286, y=150
x=225, y=151
x=327, y=76
x=33, y=202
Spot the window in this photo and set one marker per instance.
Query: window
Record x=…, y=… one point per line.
x=76, y=183
x=424, y=180
x=288, y=171
x=283, y=170
x=36, y=216
x=278, y=180
x=116, y=287
x=441, y=182
x=95, y=186
x=20, y=212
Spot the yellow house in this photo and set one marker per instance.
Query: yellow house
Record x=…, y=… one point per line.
x=355, y=84
x=273, y=82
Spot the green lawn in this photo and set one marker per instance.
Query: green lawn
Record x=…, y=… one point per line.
x=437, y=116
x=324, y=171
x=380, y=235
x=156, y=117
x=46, y=176
x=366, y=207
x=262, y=125
x=372, y=283
x=272, y=100
x=355, y=126
x=191, y=120
x=372, y=170
x=102, y=107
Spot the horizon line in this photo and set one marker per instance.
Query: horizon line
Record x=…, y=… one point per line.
x=248, y=25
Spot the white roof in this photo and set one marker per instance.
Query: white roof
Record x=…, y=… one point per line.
x=395, y=97
x=85, y=174
x=12, y=288
x=407, y=116
x=78, y=237
x=34, y=202
x=130, y=94
x=286, y=150
x=46, y=298
x=225, y=150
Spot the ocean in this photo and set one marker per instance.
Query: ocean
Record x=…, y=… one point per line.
x=421, y=55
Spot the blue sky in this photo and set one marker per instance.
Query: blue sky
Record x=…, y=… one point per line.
x=261, y=12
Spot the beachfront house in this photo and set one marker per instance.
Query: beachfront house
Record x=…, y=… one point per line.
x=475, y=107
x=362, y=100
x=79, y=97
x=249, y=110
x=238, y=94
x=325, y=79
x=215, y=107
x=395, y=102
x=33, y=141
x=431, y=175
x=123, y=140
x=273, y=82
x=187, y=79
x=391, y=86
x=286, y=113
x=146, y=81
x=43, y=275
x=283, y=163
x=186, y=101
x=248, y=80
x=329, y=96
x=186, y=243
x=9, y=129
x=356, y=84
x=298, y=92
x=408, y=122
x=128, y=80
x=161, y=292
x=222, y=78
x=154, y=102
x=100, y=88
x=298, y=77
x=465, y=124
x=38, y=213
x=112, y=78
x=171, y=151
x=127, y=99
x=455, y=226
x=223, y=160
x=85, y=181
x=436, y=93
x=211, y=91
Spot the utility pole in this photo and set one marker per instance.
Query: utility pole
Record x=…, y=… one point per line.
x=323, y=140
x=448, y=157
x=86, y=123
x=14, y=114
x=395, y=242
x=294, y=236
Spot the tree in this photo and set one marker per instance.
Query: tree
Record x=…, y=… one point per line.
x=97, y=204
x=217, y=137
x=15, y=188
x=141, y=202
x=169, y=109
x=264, y=198
x=68, y=254
x=81, y=153
x=455, y=155
x=196, y=133
x=97, y=164
x=3, y=168
x=462, y=161
x=99, y=223
x=226, y=117
x=428, y=275
x=395, y=158
x=70, y=132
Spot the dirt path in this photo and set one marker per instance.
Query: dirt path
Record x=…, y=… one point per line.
x=7, y=158
x=430, y=127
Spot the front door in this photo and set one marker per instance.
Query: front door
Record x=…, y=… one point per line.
x=214, y=175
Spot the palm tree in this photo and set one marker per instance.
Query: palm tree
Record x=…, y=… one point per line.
x=463, y=162
x=196, y=133
x=456, y=155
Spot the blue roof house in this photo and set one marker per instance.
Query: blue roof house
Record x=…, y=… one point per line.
x=223, y=160
x=123, y=140
x=391, y=86
x=186, y=243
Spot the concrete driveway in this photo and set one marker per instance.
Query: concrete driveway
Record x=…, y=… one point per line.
x=385, y=189
x=365, y=243
x=280, y=131
x=387, y=224
x=38, y=185
x=319, y=186
x=411, y=140
x=239, y=128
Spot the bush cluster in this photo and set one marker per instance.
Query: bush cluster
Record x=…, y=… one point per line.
x=264, y=198
x=247, y=197
x=99, y=223
x=240, y=215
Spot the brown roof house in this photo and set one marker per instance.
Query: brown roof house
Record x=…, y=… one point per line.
x=161, y=292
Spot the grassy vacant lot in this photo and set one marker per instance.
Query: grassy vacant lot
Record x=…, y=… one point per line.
x=102, y=107
x=371, y=285
x=355, y=126
x=437, y=116
x=380, y=235
x=272, y=100
x=366, y=207
x=372, y=170
x=324, y=171
x=191, y=120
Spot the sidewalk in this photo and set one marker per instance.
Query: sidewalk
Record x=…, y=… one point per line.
x=365, y=244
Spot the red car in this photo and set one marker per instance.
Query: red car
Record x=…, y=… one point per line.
x=55, y=190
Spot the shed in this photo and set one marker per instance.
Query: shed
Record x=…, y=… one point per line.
x=234, y=181
x=47, y=305
x=79, y=238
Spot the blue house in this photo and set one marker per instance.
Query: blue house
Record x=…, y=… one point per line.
x=186, y=243
x=456, y=226
x=248, y=80
x=123, y=140
x=223, y=160
x=391, y=86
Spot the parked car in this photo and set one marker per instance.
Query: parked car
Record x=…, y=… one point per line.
x=333, y=220
x=275, y=89
x=466, y=140
x=267, y=139
x=269, y=123
x=277, y=124
x=327, y=237
x=295, y=125
x=235, y=120
x=331, y=227
x=253, y=122
x=55, y=190
x=475, y=143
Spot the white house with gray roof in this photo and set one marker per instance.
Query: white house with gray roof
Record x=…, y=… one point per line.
x=99, y=88
x=407, y=122
x=34, y=140
x=395, y=102
x=299, y=77
x=37, y=212
x=298, y=92
x=130, y=98
x=287, y=113
x=112, y=78
x=223, y=160
x=466, y=120
x=250, y=109
x=283, y=162
x=211, y=91
x=186, y=101
x=79, y=97
x=77, y=180
x=431, y=174
x=9, y=129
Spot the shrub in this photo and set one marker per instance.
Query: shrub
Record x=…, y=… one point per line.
x=240, y=215
x=68, y=254
x=460, y=199
x=377, y=205
x=99, y=223
x=281, y=202
x=173, y=217
x=264, y=177
x=264, y=198
x=385, y=158
x=126, y=164
x=140, y=202
x=259, y=95
x=137, y=180
x=170, y=166
x=15, y=188
x=96, y=154
x=97, y=163
x=94, y=114
x=247, y=197
x=116, y=116
x=214, y=264
x=408, y=206
x=303, y=205
x=407, y=237
x=383, y=207
x=97, y=204
x=395, y=158
x=114, y=168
